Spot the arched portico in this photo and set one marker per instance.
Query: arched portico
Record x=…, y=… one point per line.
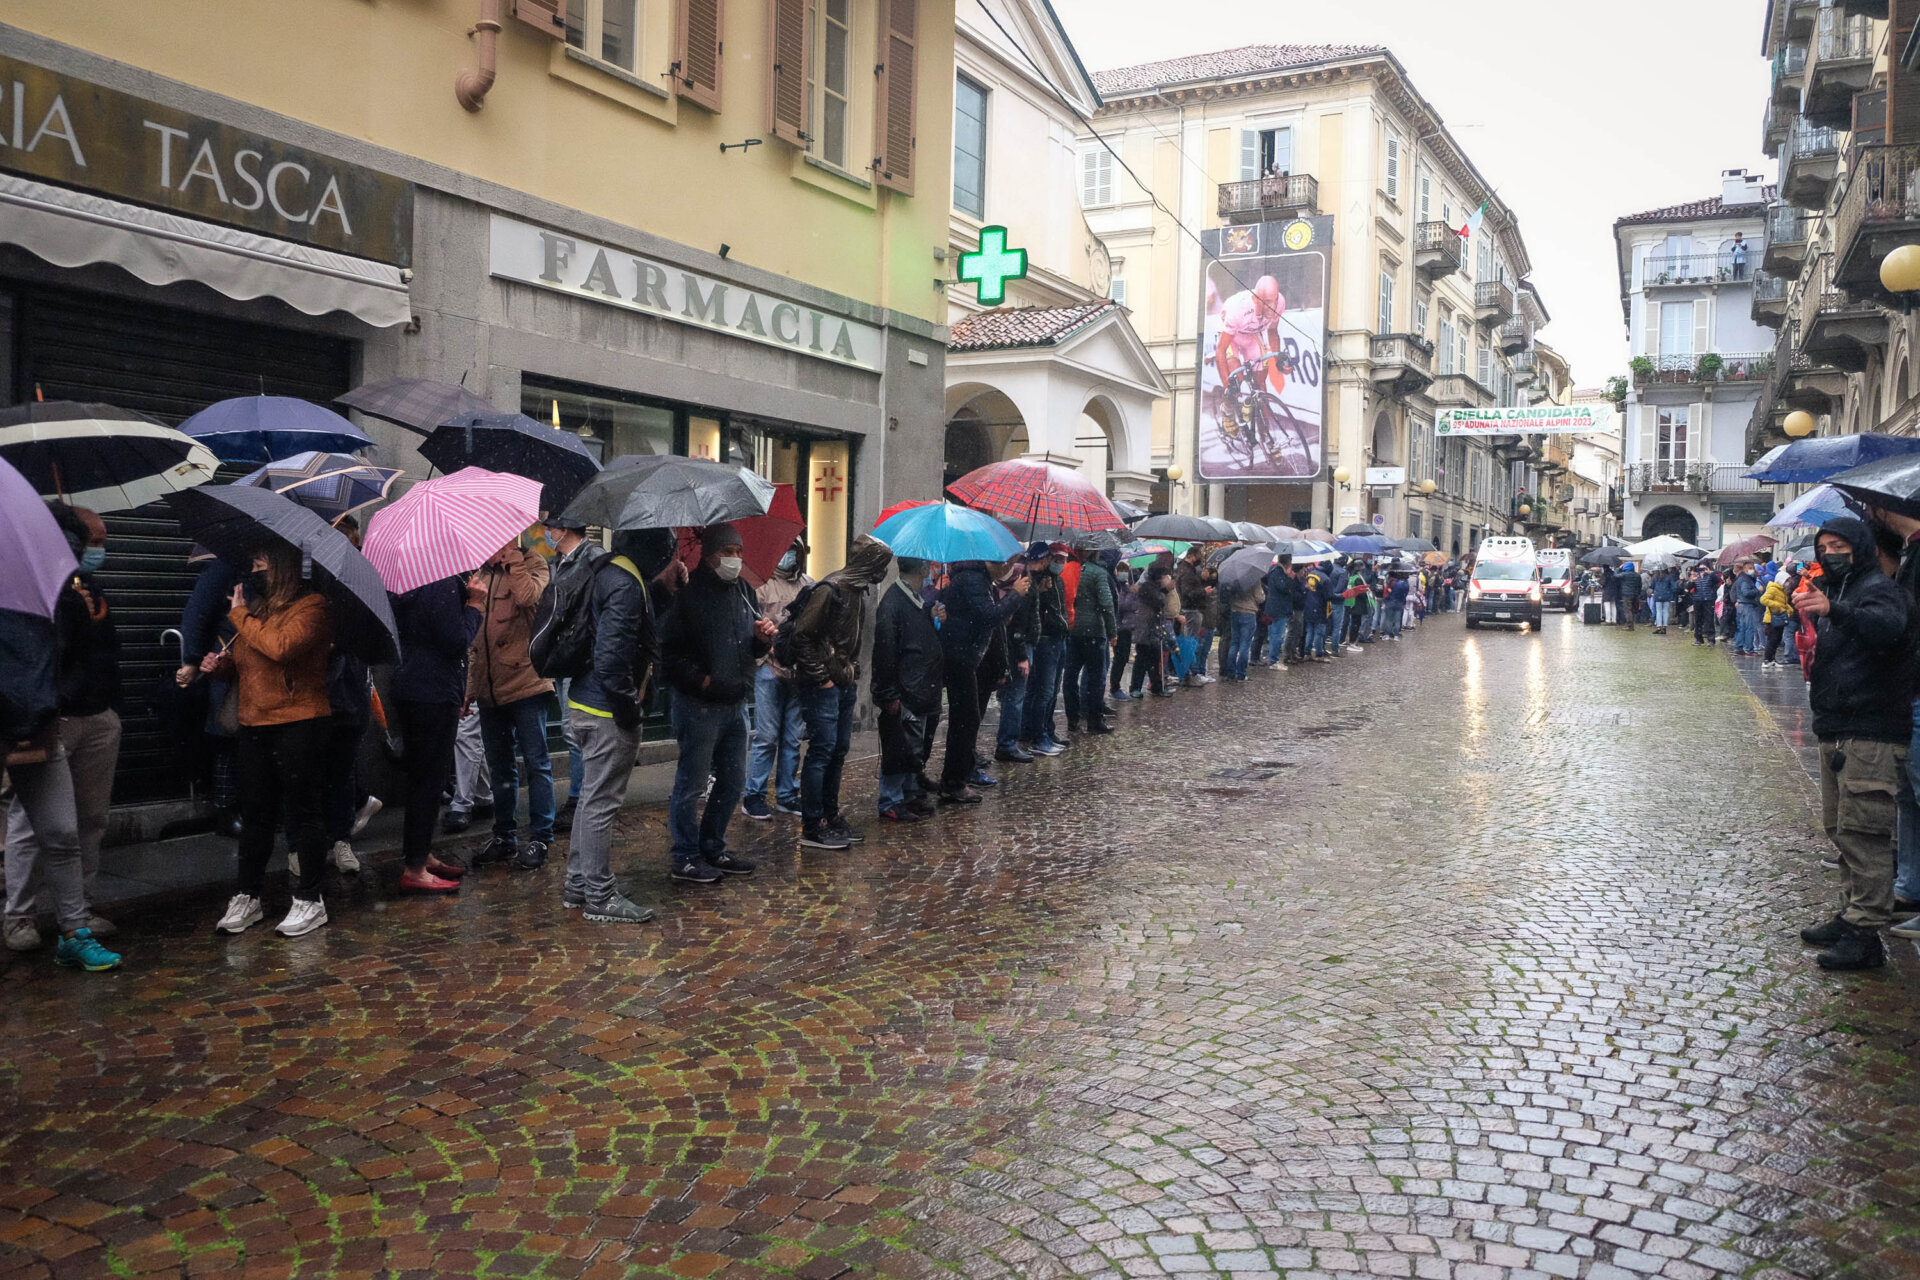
x=1678, y=521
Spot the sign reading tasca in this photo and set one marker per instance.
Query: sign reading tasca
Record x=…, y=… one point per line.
x=1546, y=419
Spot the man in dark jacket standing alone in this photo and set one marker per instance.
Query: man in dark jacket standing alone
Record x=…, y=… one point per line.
x=827, y=635
x=1706, y=589
x=1628, y=583
x=908, y=673
x=1861, y=692
x=710, y=645
x=972, y=617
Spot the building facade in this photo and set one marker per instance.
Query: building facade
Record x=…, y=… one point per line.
x=1701, y=365
x=1417, y=317
x=1843, y=118
x=676, y=226
x=1054, y=370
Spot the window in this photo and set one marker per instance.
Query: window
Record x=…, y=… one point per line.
x=1682, y=328
x=1096, y=178
x=1265, y=151
x=1385, y=319
x=1485, y=257
x=969, y=147
x=1393, y=168
x=1420, y=316
x=1413, y=524
x=605, y=29
x=1483, y=369
x=1426, y=198
x=833, y=40
x=1460, y=353
x=1446, y=343
x=1117, y=290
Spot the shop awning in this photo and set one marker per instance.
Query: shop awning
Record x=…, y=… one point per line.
x=76, y=229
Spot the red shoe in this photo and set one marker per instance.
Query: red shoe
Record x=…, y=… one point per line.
x=446, y=870
x=424, y=881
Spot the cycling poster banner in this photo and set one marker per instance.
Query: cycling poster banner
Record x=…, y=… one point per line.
x=1545, y=419
x=1263, y=351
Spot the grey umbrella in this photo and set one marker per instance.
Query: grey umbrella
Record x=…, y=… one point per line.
x=665, y=491
x=1244, y=568
x=1184, y=529
x=419, y=404
x=1605, y=555
x=1248, y=531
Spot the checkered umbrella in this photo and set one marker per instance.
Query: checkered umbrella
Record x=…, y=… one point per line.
x=1037, y=493
x=419, y=404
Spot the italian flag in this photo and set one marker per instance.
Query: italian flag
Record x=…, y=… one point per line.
x=1473, y=223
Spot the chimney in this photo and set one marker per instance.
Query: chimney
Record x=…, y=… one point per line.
x=1738, y=187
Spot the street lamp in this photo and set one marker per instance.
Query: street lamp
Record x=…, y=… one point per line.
x=1176, y=473
x=1799, y=424
x=1428, y=486
x=1340, y=477
x=1900, y=270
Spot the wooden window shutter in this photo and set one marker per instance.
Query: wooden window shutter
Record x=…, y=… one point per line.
x=1249, y=155
x=1903, y=83
x=697, y=50
x=1702, y=311
x=896, y=94
x=548, y=16
x=1650, y=331
x=787, y=54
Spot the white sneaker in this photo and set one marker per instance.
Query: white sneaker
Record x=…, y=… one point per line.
x=343, y=858
x=303, y=918
x=362, y=818
x=101, y=926
x=242, y=911
x=22, y=934
x=1279, y=666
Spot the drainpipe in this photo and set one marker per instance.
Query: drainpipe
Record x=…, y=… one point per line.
x=470, y=87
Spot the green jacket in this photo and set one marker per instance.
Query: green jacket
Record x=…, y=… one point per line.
x=1094, y=611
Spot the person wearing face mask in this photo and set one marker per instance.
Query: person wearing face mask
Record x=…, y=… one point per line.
x=827, y=634
x=778, y=723
x=512, y=697
x=710, y=646
x=1861, y=695
x=570, y=573
x=88, y=690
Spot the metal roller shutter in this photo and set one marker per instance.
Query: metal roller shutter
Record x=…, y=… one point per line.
x=168, y=363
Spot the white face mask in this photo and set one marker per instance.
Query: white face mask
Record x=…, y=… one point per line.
x=728, y=568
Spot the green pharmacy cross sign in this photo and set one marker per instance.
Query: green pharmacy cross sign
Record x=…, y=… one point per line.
x=993, y=266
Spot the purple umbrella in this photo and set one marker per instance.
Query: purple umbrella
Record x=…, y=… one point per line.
x=35, y=562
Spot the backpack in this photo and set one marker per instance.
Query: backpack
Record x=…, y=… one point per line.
x=783, y=639
x=562, y=643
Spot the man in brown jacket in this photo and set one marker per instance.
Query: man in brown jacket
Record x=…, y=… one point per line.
x=513, y=702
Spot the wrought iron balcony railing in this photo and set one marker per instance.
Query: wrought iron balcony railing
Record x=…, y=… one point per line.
x=1694, y=370
x=1697, y=268
x=1289, y=193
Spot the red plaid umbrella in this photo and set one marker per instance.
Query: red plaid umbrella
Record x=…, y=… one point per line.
x=1037, y=493
x=764, y=539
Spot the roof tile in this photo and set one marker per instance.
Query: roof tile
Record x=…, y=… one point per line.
x=1697, y=210
x=1227, y=64
x=1007, y=327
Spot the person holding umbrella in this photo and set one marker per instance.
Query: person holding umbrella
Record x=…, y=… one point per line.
x=1089, y=643
x=908, y=674
x=826, y=630
x=512, y=698
x=283, y=636
x=437, y=624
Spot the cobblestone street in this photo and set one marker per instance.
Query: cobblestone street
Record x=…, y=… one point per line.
x=1473, y=956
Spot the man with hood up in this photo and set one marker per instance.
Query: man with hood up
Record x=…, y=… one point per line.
x=777, y=722
x=1861, y=694
x=826, y=638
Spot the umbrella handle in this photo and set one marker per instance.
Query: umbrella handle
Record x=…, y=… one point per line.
x=179, y=642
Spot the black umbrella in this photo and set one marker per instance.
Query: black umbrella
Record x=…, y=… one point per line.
x=418, y=404
x=666, y=491
x=1605, y=555
x=1185, y=529
x=1891, y=483
x=1414, y=544
x=517, y=445
x=1360, y=531
x=1088, y=539
x=1130, y=513
x=234, y=521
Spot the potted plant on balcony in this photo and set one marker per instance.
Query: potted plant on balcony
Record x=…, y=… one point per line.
x=1642, y=370
x=1708, y=367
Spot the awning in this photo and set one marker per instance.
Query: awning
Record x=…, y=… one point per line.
x=75, y=229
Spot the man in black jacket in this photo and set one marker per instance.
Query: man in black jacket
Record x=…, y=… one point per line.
x=711, y=643
x=1861, y=694
x=908, y=672
x=827, y=632
x=570, y=574
x=972, y=617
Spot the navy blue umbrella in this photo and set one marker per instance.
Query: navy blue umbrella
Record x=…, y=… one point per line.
x=517, y=445
x=233, y=521
x=1823, y=457
x=268, y=428
x=1363, y=544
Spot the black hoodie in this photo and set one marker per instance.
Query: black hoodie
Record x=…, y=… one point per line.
x=1862, y=681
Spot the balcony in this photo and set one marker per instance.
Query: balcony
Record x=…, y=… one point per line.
x=1526, y=367
x=1402, y=364
x=1786, y=250
x=1493, y=302
x=1789, y=76
x=1769, y=300
x=1802, y=381
x=1808, y=164
x=1841, y=66
x=1879, y=213
x=1773, y=128
x=1689, y=370
x=1689, y=477
x=1862, y=8
x=1801, y=16
x=1459, y=391
x=1436, y=250
x=1834, y=329
x=1689, y=268
x=1515, y=335
x=1288, y=195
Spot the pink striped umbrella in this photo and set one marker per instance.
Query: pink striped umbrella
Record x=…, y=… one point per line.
x=449, y=525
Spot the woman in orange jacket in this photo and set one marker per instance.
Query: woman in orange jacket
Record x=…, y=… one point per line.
x=278, y=659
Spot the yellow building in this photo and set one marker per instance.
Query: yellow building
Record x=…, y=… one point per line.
x=1331, y=150
x=679, y=225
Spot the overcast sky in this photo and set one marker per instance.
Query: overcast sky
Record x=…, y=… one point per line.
x=1575, y=113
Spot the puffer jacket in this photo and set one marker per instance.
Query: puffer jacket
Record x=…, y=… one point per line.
x=1093, y=606
x=828, y=634
x=1862, y=680
x=1774, y=601
x=500, y=665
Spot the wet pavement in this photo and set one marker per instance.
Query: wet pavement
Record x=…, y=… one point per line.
x=1470, y=957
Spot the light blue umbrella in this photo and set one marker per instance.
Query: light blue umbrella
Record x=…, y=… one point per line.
x=947, y=533
x=1814, y=507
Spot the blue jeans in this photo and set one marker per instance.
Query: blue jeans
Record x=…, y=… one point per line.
x=1662, y=612
x=1203, y=638
x=1240, y=645
x=713, y=743
x=1315, y=645
x=1277, y=638
x=1013, y=701
x=1747, y=633
x=1906, y=882
x=778, y=727
x=519, y=728
x=576, y=770
x=829, y=716
x=1043, y=686
x=1393, y=616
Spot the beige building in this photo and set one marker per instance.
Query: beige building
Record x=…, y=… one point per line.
x=1417, y=317
x=1843, y=117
